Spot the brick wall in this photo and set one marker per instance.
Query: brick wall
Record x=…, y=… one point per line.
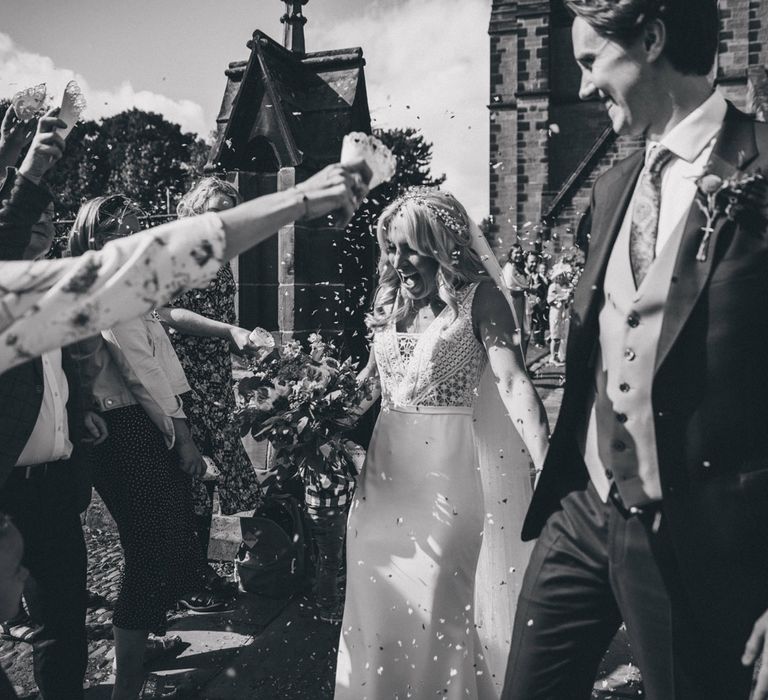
x=519, y=116
x=534, y=84
x=733, y=52
x=503, y=176
x=563, y=233
x=532, y=120
x=503, y=123
x=757, y=33
x=532, y=159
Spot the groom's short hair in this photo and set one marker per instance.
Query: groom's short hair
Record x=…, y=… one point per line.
x=692, y=27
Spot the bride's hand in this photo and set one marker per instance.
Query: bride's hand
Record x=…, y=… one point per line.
x=347, y=421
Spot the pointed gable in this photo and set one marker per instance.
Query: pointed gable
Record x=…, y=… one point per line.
x=283, y=109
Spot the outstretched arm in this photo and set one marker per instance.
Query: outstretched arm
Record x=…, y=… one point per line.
x=335, y=188
x=192, y=323
x=50, y=303
x=495, y=327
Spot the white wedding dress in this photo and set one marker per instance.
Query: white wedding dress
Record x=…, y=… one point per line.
x=417, y=523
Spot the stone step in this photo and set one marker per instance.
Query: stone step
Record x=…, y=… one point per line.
x=225, y=537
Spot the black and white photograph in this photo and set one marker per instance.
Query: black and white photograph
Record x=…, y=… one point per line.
x=384, y=350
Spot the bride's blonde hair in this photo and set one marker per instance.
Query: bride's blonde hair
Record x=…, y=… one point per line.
x=435, y=224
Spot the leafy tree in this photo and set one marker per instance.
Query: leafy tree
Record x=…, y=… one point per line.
x=414, y=158
x=148, y=155
x=137, y=153
x=414, y=167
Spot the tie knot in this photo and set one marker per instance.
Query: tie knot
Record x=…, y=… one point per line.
x=659, y=157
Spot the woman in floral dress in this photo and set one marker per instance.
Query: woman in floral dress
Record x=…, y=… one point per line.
x=203, y=330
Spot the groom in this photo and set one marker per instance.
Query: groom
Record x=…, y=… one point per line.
x=652, y=507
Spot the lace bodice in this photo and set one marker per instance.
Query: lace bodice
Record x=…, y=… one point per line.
x=440, y=367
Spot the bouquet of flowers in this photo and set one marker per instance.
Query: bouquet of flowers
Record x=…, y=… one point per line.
x=303, y=403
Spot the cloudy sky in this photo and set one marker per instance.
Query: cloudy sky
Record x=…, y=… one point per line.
x=427, y=62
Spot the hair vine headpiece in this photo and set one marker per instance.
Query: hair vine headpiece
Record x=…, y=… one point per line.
x=418, y=195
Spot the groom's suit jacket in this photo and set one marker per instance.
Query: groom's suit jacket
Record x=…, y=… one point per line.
x=709, y=393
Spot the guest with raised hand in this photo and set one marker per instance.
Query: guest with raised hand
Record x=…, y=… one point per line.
x=204, y=333
x=15, y=135
x=143, y=471
x=25, y=199
x=47, y=304
x=44, y=428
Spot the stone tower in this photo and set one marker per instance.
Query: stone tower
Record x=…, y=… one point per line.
x=546, y=145
x=283, y=117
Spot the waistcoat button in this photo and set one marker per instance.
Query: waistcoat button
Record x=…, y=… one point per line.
x=618, y=445
x=624, y=387
x=621, y=417
x=629, y=354
x=633, y=320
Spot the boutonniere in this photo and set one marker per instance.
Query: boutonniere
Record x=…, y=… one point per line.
x=742, y=198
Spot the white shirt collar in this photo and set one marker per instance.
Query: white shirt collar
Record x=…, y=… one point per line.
x=694, y=133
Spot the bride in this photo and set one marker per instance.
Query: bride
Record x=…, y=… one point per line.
x=416, y=526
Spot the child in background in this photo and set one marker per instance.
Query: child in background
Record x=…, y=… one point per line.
x=559, y=299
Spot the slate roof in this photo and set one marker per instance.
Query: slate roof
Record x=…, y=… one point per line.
x=284, y=109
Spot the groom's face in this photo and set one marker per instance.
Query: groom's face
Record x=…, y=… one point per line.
x=618, y=75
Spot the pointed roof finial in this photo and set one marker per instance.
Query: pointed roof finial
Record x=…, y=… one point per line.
x=294, y=21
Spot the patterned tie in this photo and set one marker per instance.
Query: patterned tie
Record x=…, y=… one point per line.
x=645, y=214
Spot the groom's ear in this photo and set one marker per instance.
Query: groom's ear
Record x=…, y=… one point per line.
x=654, y=39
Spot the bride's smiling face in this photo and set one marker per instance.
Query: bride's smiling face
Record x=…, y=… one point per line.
x=417, y=272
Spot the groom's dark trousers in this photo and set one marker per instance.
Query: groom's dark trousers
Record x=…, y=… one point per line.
x=594, y=566
x=689, y=576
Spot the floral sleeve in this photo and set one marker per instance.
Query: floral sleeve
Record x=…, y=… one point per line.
x=51, y=303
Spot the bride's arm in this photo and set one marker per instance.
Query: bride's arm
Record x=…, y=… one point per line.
x=495, y=327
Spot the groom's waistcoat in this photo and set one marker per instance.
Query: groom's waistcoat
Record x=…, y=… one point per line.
x=620, y=441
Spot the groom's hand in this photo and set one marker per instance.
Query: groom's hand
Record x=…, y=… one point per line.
x=757, y=649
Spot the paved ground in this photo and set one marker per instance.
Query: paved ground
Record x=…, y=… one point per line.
x=264, y=649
